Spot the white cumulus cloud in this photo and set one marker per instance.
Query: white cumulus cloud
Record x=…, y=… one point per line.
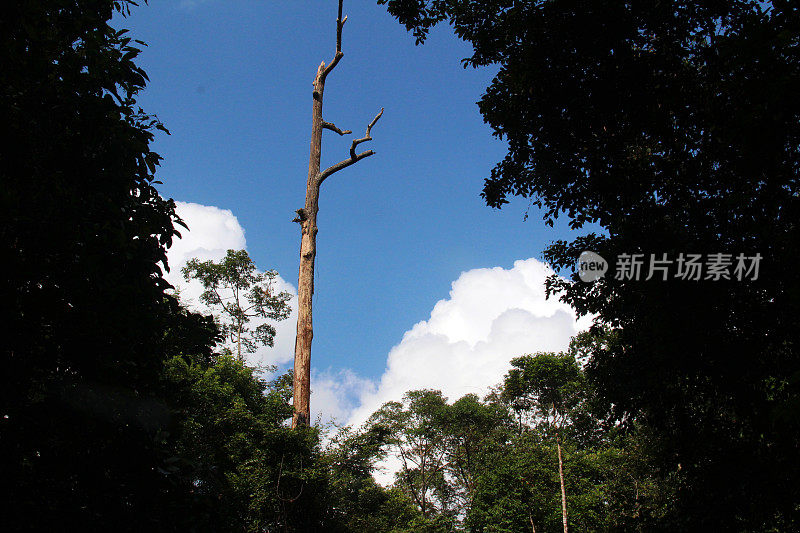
x=212, y=232
x=491, y=316
x=336, y=393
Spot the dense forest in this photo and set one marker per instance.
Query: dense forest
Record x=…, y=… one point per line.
x=673, y=126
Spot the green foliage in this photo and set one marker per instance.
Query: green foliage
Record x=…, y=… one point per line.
x=115, y=414
x=356, y=501
x=522, y=487
x=83, y=239
x=548, y=394
x=247, y=470
x=472, y=428
x=441, y=448
x=468, y=466
x=414, y=432
x=672, y=125
x=236, y=289
x=545, y=385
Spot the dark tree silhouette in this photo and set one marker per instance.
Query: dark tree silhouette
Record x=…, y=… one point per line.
x=83, y=238
x=673, y=126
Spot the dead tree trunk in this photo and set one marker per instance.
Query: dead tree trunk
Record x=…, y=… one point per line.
x=307, y=218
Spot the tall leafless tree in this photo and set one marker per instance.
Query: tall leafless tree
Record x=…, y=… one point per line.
x=307, y=218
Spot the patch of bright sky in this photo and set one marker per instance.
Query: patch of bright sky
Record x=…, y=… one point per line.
x=231, y=79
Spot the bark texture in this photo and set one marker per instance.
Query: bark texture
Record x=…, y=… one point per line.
x=307, y=218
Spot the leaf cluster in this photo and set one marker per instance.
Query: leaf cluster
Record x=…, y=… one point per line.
x=672, y=126
x=239, y=292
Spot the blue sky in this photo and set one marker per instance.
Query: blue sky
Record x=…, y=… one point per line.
x=231, y=79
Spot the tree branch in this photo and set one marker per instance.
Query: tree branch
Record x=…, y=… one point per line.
x=332, y=127
x=339, y=24
x=354, y=158
x=367, y=136
x=222, y=302
x=331, y=65
x=342, y=164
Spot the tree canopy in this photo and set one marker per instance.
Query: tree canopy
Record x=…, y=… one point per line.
x=467, y=465
x=115, y=411
x=240, y=293
x=671, y=125
x=83, y=236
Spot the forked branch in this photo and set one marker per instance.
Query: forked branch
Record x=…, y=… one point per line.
x=354, y=158
x=366, y=137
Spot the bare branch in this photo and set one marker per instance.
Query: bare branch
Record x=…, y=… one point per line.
x=374, y=120
x=332, y=64
x=354, y=158
x=222, y=302
x=366, y=137
x=332, y=127
x=307, y=217
x=342, y=164
x=339, y=24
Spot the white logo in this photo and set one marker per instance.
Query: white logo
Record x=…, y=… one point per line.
x=591, y=266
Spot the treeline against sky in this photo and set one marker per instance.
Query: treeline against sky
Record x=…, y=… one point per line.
x=672, y=125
